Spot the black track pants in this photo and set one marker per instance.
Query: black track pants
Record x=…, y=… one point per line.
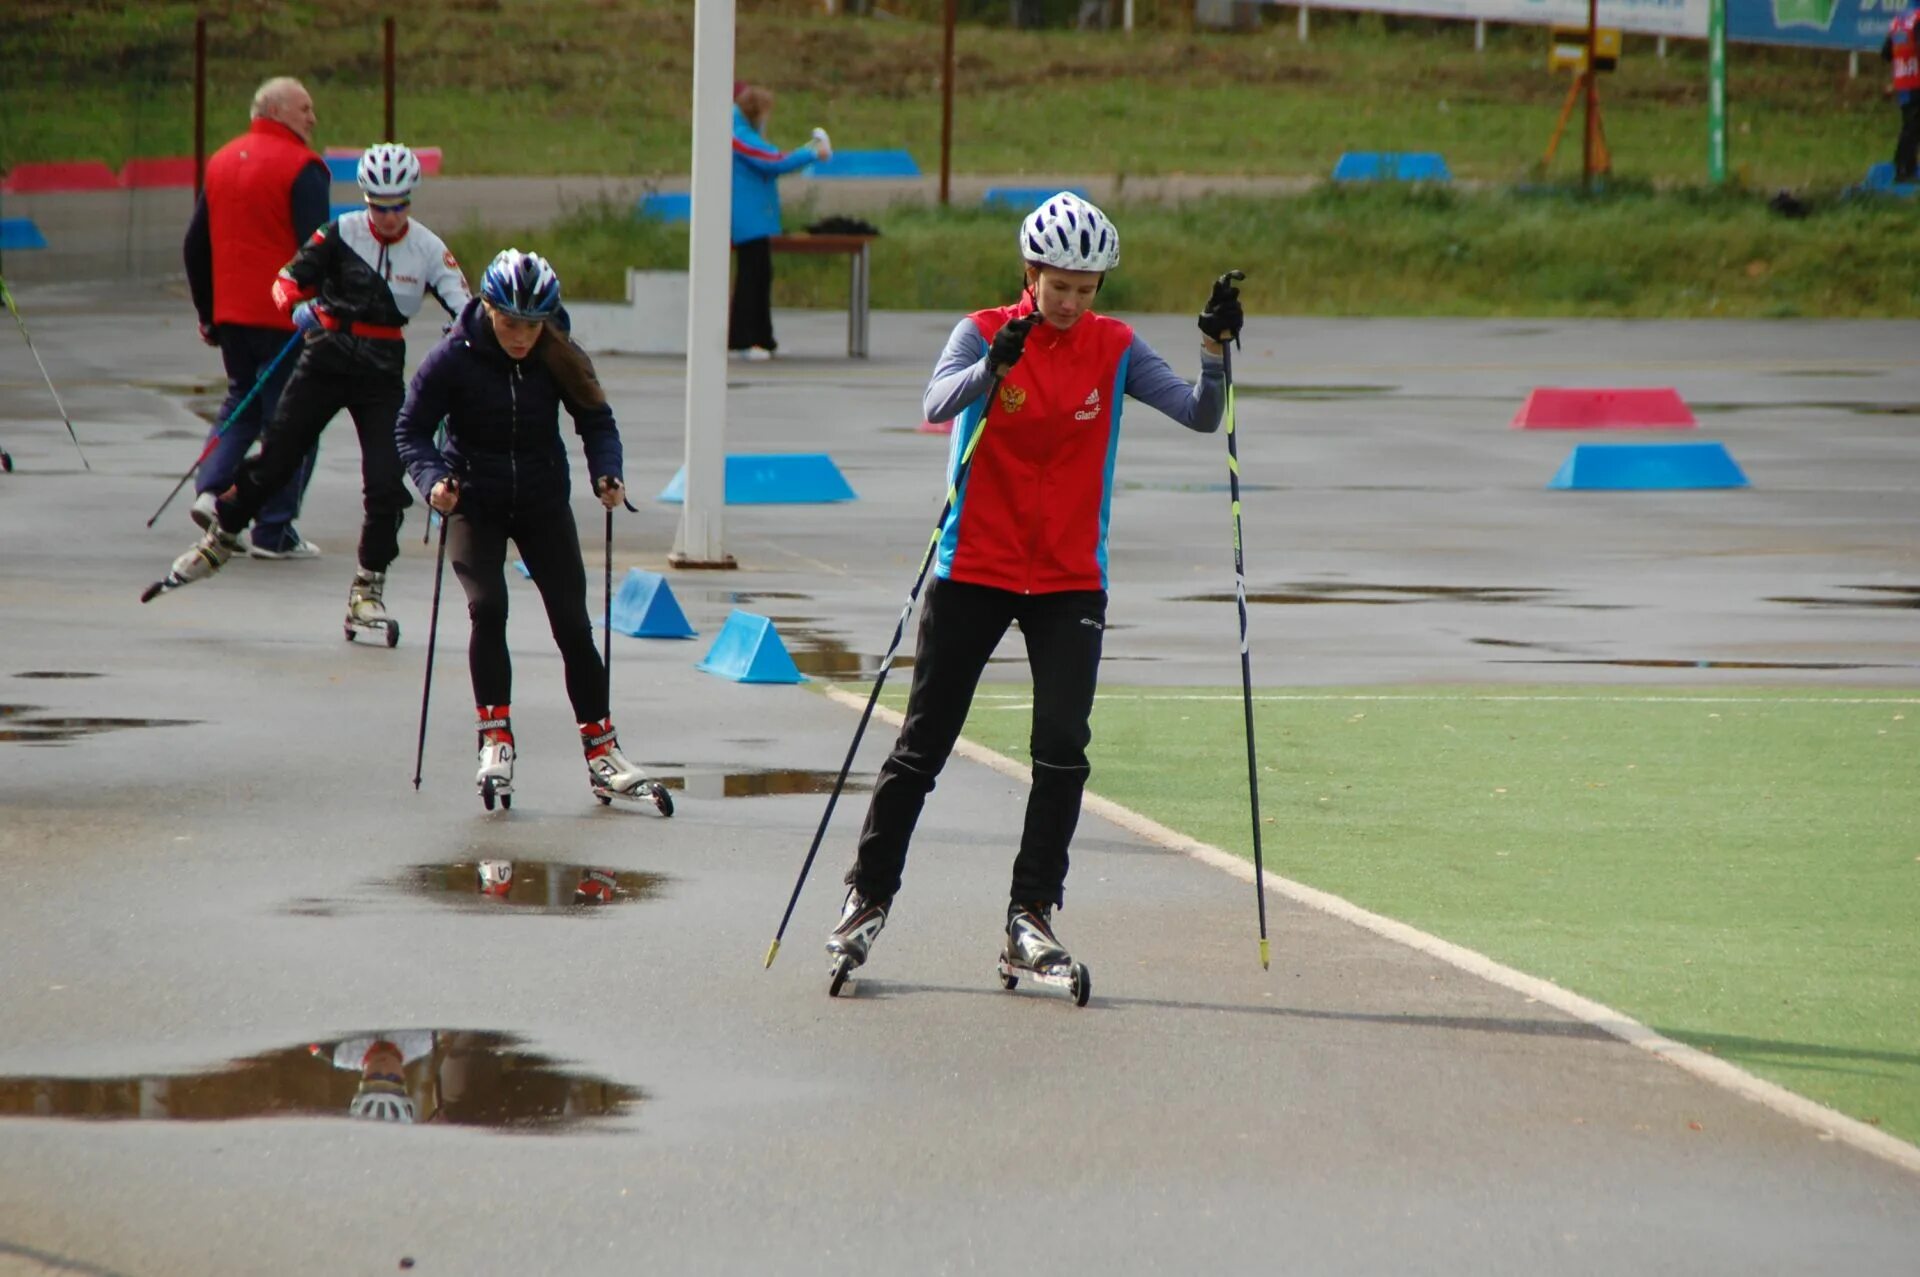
x=960, y=625
x=549, y=544
x=1908, y=145
x=750, y=317
x=326, y=380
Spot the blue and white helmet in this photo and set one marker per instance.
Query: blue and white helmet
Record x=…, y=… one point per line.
x=388, y=171
x=1071, y=234
x=521, y=285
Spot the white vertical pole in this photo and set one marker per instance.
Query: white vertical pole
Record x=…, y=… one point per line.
x=699, y=543
x=1479, y=35
x=1126, y=17
x=1660, y=46
x=1303, y=24
x=1853, y=64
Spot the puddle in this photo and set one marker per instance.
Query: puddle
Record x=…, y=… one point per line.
x=1859, y=407
x=1896, y=596
x=751, y=596
x=57, y=674
x=1169, y=485
x=194, y=436
x=23, y=725
x=1671, y=664
x=1310, y=394
x=456, y=1077
x=1521, y=331
x=762, y=784
x=1831, y=372
x=1357, y=593
x=535, y=884
x=819, y=654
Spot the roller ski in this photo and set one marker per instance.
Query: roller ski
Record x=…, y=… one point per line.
x=208, y=555
x=612, y=775
x=847, y=947
x=367, y=609
x=495, y=779
x=1033, y=951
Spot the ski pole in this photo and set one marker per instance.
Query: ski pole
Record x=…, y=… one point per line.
x=220, y=430
x=433, y=632
x=8, y=298
x=439, y=445
x=886, y=662
x=1240, y=600
x=6, y=461
x=606, y=622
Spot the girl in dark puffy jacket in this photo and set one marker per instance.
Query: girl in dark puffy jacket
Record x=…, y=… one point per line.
x=499, y=380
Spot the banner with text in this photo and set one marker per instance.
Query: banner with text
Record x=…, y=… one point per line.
x=1641, y=17
x=1832, y=24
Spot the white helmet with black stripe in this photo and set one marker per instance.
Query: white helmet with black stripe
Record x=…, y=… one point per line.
x=388, y=171
x=1071, y=234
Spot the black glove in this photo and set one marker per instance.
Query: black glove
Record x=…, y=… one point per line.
x=1223, y=318
x=1009, y=342
x=209, y=333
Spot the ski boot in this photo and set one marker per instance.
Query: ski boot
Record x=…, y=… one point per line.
x=613, y=776
x=1033, y=950
x=850, y=942
x=596, y=887
x=367, y=609
x=208, y=555
x=496, y=878
x=495, y=779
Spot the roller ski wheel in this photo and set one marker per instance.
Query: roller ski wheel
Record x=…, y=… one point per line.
x=837, y=977
x=611, y=774
x=495, y=791
x=390, y=628
x=1074, y=978
x=650, y=791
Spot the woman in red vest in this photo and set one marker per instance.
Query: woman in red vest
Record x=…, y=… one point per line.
x=1902, y=49
x=1026, y=541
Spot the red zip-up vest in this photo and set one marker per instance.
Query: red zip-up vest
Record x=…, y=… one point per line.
x=1032, y=514
x=1906, y=54
x=250, y=219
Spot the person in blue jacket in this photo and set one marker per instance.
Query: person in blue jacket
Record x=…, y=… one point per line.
x=499, y=379
x=757, y=167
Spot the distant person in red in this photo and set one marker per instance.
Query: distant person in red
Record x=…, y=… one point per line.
x=1902, y=49
x=266, y=193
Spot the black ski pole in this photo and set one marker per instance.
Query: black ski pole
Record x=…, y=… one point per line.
x=440, y=446
x=8, y=298
x=433, y=632
x=606, y=621
x=1240, y=599
x=886, y=662
x=219, y=431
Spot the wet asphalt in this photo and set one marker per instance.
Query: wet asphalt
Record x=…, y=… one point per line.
x=219, y=871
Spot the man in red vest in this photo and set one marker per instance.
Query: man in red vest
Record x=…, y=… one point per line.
x=266, y=193
x=1903, y=50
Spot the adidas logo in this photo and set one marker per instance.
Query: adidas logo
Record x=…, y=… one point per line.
x=1092, y=408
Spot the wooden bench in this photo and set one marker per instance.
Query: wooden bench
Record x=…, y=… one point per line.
x=856, y=248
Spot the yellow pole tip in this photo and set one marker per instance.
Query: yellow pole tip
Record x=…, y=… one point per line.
x=1265, y=954
x=772, y=949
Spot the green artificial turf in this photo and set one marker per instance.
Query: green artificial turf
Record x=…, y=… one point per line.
x=1738, y=868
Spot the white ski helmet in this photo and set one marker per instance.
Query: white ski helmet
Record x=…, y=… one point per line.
x=1071, y=234
x=388, y=171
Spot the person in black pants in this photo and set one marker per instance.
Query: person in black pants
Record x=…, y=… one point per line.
x=1035, y=392
x=499, y=380
x=351, y=289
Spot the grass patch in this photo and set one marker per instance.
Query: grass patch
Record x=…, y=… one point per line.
x=1538, y=251
x=602, y=86
x=1742, y=874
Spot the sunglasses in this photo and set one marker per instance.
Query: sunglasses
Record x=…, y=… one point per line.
x=401, y=207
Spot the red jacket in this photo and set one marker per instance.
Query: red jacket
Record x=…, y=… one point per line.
x=249, y=197
x=1906, y=54
x=1032, y=514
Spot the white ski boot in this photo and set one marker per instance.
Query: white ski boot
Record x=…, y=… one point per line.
x=208, y=555
x=367, y=608
x=849, y=943
x=1033, y=950
x=612, y=775
x=495, y=779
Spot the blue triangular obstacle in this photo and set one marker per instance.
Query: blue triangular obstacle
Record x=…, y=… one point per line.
x=1391, y=166
x=749, y=650
x=1641, y=467
x=645, y=608
x=773, y=478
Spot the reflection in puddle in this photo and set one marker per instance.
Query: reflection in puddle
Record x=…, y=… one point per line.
x=57, y=674
x=1669, y=663
x=456, y=1077
x=760, y=784
x=537, y=884
x=1354, y=592
x=1904, y=596
x=738, y=597
x=24, y=725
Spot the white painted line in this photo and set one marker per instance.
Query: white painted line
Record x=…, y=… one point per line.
x=1827, y=1122
x=1026, y=698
